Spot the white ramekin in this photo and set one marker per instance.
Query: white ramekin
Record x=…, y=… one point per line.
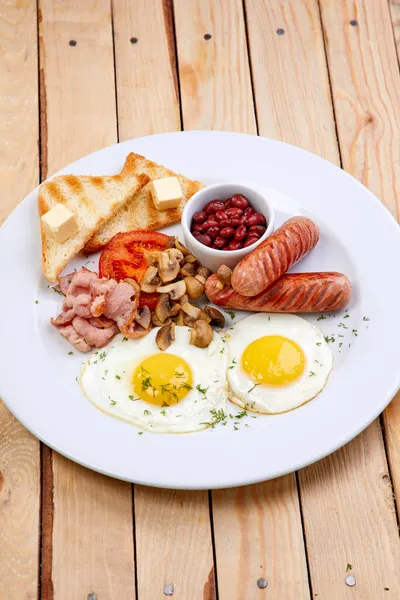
x=210, y=257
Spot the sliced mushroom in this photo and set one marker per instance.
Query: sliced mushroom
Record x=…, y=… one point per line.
x=181, y=247
x=201, y=334
x=179, y=320
x=165, y=309
x=152, y=258
x=191, y=310
x=201, y=279
x=151, y=280
x=204, y=272
x=189, y=258
x=185, y=298
x=175, y=253
x=217, y=318
x=188, y=270
x=188, y=321
x=175, y=290
x=224, y=275
x=194, y=287
x=168, y=266
x=165, y=336
x=156, y=321
x=133, y=283
x=143, y=316
x=171, y=242
x=203, y=316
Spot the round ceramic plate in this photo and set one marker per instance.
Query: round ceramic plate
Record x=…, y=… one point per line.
x=358, y=237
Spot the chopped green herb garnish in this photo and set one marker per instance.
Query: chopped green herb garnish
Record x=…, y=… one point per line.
x=346, y=316
x=70, y=352
x=218, y=416
x=312, y=374
x=112, y=402
x=117, y=377
x=318, y=343
x=57, y=291
x=146, y=413
x=124, y=339
x=343, y=325
x=36, y=301
x=102, y=355
x=254, y=386
x=231, y=313
x=232, y=366
x=340, y=344
x=321, y=318
x=365, y=319
x=164, y=404
x=140, y=432
x=349, y=567
x=329, y=339
x=132, y=398
x=202, y=391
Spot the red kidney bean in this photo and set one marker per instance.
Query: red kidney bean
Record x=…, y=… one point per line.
x=229, y=223
x=234, y=213
x=203, y=239
x=234, y=245
x=252, y=220
x=214, y=206
x=262, y=219
x=209, y=223
x=259, y=229
x=220, y=215
x=199, y=216
x=196, y=228
x=249, y=211
x=228, y=203
x=213, y=232
x=227, y=232
x=240, y=232
x=249, y=241
x=220, y=242
x=242, y=219
x=239, y=201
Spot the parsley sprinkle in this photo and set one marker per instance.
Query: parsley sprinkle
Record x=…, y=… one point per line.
x=318, y=343
x=218, y=416
x=341, y=344
x=146, y=413
x=233, y=364
x=235, y=428
x=36, y=301
x=343, y=325
x=365, y=319
x=354, y=331
x=163, y=413
x=329, y=339
x=70, y=352
x=76, y=379
x=164, y=404
x=117, y=377
x=222, y=351
x=312, y=374
x=346, y=316
x=321, y=318
x=103, y=355
x=231, y=313
x=202, y=391
x=349, y=567
x=57, y=291
x=124, y=339
x=132, y=398
x=140, y=432
x=112, y=402
x=254, y=386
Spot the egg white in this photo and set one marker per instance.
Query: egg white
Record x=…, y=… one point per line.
x=271, y=399
x=106, y=381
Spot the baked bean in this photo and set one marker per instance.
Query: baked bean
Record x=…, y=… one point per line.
x=239, y=201
x=220, y=215
x=213, y=232
x=220, y=242
x=240, y=232
x=259, y=229
x=249, y=241
x=227, y=232
x=229, y=223
x=249, y=211
x=199, y=216
x=234, y=245
x=214, y=206
x=252, y=220
x=196, y=228
x=228, y=203
x=203, y=239
x=234, y=213
x=209, y=223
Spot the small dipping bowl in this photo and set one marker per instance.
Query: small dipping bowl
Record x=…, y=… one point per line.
x=211, y=257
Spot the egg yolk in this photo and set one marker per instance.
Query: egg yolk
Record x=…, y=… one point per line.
x=162, y=379
x=274, y=360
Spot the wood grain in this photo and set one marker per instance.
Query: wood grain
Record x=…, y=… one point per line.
x=214, y=74
x=173, y=535
x=92, y=528
x=19, y=173
x=254, y=526
x=147, y=91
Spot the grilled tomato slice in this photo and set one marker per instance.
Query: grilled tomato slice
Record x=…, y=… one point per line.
x=124, y=257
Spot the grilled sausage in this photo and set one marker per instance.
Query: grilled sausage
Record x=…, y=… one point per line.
x=276, y=255
x=297, y=292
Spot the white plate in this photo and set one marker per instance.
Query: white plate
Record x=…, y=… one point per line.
x=359, y=237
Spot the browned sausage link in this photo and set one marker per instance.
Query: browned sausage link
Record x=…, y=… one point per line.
x=297, y=292
x=276, y=255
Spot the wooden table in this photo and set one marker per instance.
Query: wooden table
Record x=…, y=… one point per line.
x=78, y=75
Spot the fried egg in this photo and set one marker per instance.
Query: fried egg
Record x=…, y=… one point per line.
x=175, y=391
x=277, y=362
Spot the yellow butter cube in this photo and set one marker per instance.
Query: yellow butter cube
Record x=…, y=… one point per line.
x=166, y=192
x=60, y=222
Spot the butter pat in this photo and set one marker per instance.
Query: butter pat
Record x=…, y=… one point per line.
x=166, y=192
x=60, y=222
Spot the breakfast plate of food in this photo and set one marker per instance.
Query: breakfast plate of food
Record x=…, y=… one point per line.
x=198, y=310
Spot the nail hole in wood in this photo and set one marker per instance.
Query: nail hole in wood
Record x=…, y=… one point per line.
x=353, y=23
x=169, y=590
x=262, y=583
x=72, y=42
x=134, y=40
x=92, y=596
x=280, y=31
x=207, y=36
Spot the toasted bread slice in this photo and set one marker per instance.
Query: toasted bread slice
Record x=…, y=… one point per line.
x=93, y=200
x=140, y=212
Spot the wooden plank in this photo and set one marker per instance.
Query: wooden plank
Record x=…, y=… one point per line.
x=173, y=535
x=19, y=173
x=252, y=525
x=147, y=87
x=90, y=518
